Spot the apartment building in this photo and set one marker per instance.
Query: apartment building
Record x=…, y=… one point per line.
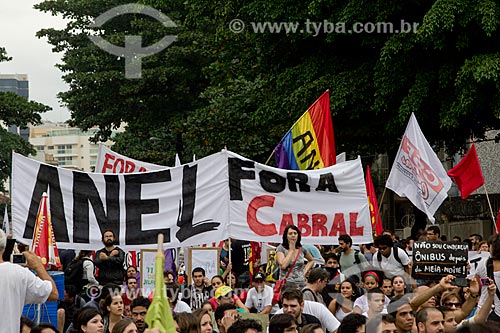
x=68, y=147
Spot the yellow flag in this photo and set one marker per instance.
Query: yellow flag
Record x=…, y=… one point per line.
x=159, y=314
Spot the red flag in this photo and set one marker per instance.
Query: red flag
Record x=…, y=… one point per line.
x=372, y=202
x=44, y=242
x=467, y=173
x=255, y=249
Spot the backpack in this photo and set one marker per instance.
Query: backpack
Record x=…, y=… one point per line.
x=357, y=261
x=73, y=274
x=312, y=292
x=396, y=255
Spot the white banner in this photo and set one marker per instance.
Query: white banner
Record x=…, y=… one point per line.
x=417, y=172
x=109, y=161
x=219, y=196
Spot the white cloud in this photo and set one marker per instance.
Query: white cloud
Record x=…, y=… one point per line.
x=19, y=22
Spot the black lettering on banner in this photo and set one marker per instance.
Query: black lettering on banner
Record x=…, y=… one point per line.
x=236, y=174
x=295, y=178
x=85, y=192
x=136, y=207
x=187, y=227
x=272, y=182
x=327, y=182
x=307, y=140
x=47, y=178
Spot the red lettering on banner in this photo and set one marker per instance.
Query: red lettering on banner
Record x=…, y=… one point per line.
x=129, y=166
x=121, y=162
x=354, y=230
x=318, y=225
x=309, y=225
x=254, y=224
x=338, y=225
x=304, y=228
x=106, y=164
x=286, y=220
x=420, y=168
x=119, y=165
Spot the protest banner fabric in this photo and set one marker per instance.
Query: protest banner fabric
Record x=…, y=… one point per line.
x=309, y=143
x=417, y=172
x=216, y=197
x=109, y=161
x=467, y=173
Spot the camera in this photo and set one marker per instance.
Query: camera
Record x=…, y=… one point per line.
x=461, y=282
x=18, y=259
x=485, y=282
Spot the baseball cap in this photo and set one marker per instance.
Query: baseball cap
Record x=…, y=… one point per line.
x=259, y=276
x=222, y=291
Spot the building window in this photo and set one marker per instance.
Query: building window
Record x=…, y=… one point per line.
x=40, y=148
x=50, y=147
x=65, y=160
x=64, y=149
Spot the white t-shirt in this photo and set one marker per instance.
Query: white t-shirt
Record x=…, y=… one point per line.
x=19, y=286
x=182, y=307
x=318, y=310
x=259, y=300
x=482, y=273
x=390, y=266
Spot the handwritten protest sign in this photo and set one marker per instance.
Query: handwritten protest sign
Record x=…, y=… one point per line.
x=433, y=260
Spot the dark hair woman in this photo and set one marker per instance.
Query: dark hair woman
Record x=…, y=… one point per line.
x=290, y=256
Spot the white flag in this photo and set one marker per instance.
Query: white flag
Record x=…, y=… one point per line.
x=417, y=172
x=341, y=158
x=6, y=226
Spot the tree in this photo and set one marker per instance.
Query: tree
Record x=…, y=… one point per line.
x=15, y=110
x=216, y=88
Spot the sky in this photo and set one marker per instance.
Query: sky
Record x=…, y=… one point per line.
x=19, y=22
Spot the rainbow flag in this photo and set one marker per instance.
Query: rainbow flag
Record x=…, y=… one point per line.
x=309, y=144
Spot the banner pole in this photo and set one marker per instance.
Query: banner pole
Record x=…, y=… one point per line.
x=491, y=209
x=229, y=252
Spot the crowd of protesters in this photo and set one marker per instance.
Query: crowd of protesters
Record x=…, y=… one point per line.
x=344, y=289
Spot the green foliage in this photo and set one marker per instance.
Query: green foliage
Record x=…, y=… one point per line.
x=215, y=88
x=3, y=55
x=15, y=110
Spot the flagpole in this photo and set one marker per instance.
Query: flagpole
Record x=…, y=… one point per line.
x=381, y=200
x=491, y=209
x=269, y=158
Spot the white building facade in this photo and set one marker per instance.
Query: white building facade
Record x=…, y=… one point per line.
x=65, y=146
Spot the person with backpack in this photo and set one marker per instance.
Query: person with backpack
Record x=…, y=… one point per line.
x=80, y=271
x=316, y=282
x=390, y=259
x=351, y=261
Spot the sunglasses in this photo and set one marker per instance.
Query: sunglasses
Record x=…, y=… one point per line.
x=451, y=304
